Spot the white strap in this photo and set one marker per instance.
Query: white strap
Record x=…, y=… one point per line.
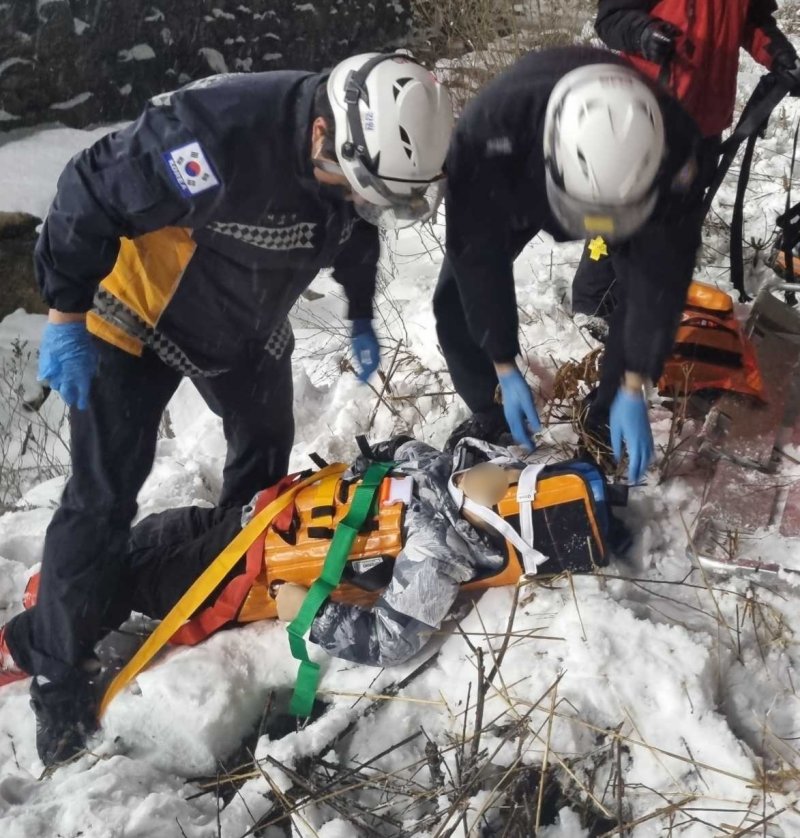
x=531, y=557
x=526, y=493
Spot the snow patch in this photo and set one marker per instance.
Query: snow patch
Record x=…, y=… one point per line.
x=73, y=102
x=139, y=52
x=14, y=62
x=214, y=59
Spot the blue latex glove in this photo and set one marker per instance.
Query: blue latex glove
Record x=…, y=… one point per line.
x=366, y=351
x=630, y=424
x=518, y=408
x=68, y=361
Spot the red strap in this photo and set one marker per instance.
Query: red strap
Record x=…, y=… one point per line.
x=227, y=605
x=31, y=592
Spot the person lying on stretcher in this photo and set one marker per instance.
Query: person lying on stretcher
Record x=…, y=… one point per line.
x=477, y=517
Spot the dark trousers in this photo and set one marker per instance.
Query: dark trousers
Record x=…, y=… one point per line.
x=165, y=554
x=594, y=286
x=113, y=446
x=470, y=367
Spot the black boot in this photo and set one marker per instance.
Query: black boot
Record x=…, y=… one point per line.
x=66, y=715
x=488, y=425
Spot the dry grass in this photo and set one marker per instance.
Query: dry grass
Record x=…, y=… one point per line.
x=34, y=441
x=472, y=41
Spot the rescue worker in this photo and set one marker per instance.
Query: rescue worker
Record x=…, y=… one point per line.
x=450, y=534
x=176, y=247
x=570, y=141
x=692, y=48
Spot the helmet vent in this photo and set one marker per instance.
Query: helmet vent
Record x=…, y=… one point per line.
x=398, y=85
x=406, y=140
x=584, y=165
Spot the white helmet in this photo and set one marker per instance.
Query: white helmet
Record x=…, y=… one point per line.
x=393, y=124
x=603, y=149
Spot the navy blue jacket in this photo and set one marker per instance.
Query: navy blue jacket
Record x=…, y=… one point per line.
x=223, y=164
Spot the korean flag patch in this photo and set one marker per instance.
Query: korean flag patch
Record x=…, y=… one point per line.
x=190, y=168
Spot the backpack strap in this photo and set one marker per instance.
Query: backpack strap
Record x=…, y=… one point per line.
x=346, y=531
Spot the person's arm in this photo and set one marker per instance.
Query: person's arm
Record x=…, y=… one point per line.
x=763, y=38
x=621, y=23
x=355, y=268
x=480, y=250
x=425, y=583
x=656, y=267
x=123, y=185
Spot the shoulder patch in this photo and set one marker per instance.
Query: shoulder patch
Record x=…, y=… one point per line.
x=190, y=169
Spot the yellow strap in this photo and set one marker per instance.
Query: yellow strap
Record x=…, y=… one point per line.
x=208, y=581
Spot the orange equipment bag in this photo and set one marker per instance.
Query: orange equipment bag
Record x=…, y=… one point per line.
x=711, y=351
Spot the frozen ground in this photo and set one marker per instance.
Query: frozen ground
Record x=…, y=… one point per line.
x=678, y=687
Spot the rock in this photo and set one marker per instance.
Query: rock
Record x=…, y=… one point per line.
x=88, y=61
x=18, y=287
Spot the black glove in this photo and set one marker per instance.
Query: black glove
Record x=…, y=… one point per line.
x=786, y=67
x=657, y=43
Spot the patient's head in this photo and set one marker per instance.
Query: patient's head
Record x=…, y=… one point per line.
x=485, y=484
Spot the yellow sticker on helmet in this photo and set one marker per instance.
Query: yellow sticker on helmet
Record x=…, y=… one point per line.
x=602, y=224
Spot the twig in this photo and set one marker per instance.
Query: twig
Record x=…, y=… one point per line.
x=476, y=740
x=545, y=758
x=665, y=810
x=385, y=383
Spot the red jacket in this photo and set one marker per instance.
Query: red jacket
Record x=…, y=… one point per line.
x=702, y=73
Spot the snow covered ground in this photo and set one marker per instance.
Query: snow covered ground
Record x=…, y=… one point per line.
x=654, y=683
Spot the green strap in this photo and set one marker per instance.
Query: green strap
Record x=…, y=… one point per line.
x=342, y=542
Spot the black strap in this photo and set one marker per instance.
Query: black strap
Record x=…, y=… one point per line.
x=319, y=462
x=325, y=533
x=364, y=447
x=355, y=89
x=737, y=222
x=787, y=242
x=768, y=93
x=665, y=72
x=764, y=99
x=322, y=512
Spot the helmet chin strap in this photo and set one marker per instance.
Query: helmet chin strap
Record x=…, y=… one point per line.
x=356, y=90
x=526, y=493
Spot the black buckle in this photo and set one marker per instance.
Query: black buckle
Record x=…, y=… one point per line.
x=352, y=91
